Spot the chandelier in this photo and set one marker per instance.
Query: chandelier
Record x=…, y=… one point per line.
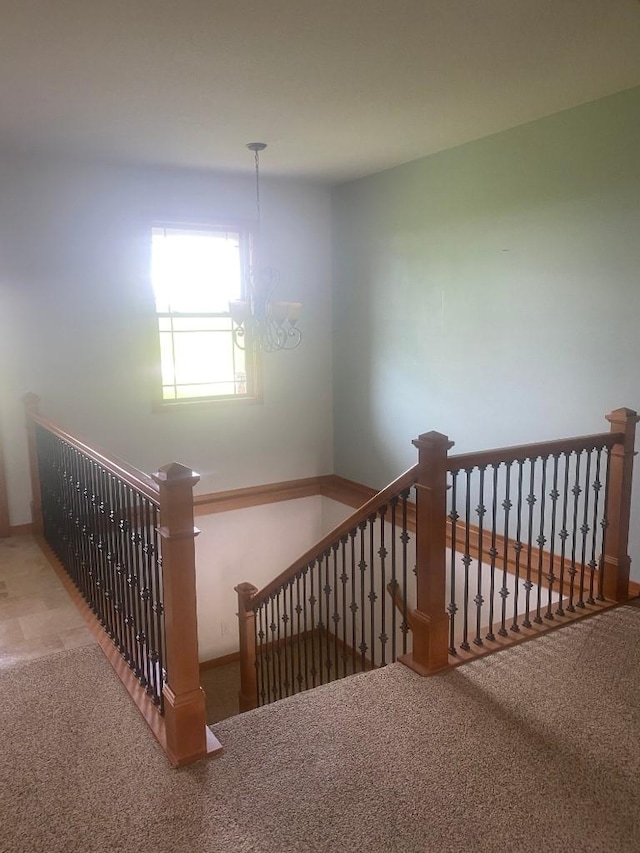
x=258, y=320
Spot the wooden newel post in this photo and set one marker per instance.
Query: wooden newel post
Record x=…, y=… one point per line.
x=184, y=699
x=616, y=560
x=430, y=621
x=248, y=696
x=31, y=407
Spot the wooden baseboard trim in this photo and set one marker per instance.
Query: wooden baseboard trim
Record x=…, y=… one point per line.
x=331, y=486
x=258, y=495
x=21, y=529
x=233, y=657
x=345, y=491
x=143, y=703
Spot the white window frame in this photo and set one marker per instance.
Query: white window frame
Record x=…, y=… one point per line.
x=252, y=392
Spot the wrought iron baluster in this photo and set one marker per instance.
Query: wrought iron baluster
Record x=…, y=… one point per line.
x=362, y=565
x=278, y=643
x=312, y=602
x=305, y=572
x=479, y=600
x=262, y=695
x=336, y=612
x=158, y=607
x=564, y=534
x=274, y=648
x=84, y=497
x=268, y=657
x=531, y=501
x=596, y=486
x=466, y=561
x=576, y=491
x=107, y=509
x=541, y=540
x=554, y=494
x=383, y=585
x=604, y=524
x=515, y=626
x=394, y=582
x=354, y=604
x=283, y=643
x=344, y=579
x=125, y=528
x=300, y=638
x=327, y=592
x=404, y=537
x=292, y=646
x=321, y=624
x=452, y=607
x=144, y=592
x=372, y=591
x=492, y=551
x=135, y=580
x=585, y=529
x=507, y=506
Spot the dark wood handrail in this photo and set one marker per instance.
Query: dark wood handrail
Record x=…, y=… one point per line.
x=521, y=452
x=404, y=481
x=138, y=480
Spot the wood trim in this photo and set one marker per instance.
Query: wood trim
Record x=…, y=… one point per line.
x=21, y=529
x=143, y=703
x=331, y=486
x=138, y=480
x=345, y=491
x=258, y=495
x=224, y=660
x=533, y=451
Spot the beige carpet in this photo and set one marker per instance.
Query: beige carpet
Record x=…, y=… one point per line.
x=537, y=747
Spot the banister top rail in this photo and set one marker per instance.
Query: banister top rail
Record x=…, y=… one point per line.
x=404, y=481
x=138, y=480
x=521, y=452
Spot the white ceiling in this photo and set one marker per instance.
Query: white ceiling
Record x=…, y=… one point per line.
x=338, y=88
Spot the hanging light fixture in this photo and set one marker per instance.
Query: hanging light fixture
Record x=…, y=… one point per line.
x=257, y=320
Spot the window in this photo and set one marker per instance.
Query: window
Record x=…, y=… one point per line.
x=195, y=273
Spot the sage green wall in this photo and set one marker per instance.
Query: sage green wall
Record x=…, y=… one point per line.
x=491, y=292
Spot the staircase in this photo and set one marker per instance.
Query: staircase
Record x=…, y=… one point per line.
x=459, y=557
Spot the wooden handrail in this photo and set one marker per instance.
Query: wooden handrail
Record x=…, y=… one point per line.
x=403, y=482
x=138, y=480
x=520, y=452
x=182, y=729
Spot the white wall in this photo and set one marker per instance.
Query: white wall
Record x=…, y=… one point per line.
x=77, y=320
x=491, y=292
x=253, y=545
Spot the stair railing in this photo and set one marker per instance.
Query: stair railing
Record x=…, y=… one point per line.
x=507, y=542
x=126, y=543
x=329, y=614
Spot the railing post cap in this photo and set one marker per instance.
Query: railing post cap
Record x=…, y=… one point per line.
x=175, y=472
x=433, y=439
x=623, y=414
x=245, y=588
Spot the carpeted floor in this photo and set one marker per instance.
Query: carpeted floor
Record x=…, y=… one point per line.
x=537, y=747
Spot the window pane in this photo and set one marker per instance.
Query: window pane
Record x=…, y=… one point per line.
x=201, y=324
x=201, y=357
x=195, y=271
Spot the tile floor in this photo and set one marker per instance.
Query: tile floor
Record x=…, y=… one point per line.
x=37, y=617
